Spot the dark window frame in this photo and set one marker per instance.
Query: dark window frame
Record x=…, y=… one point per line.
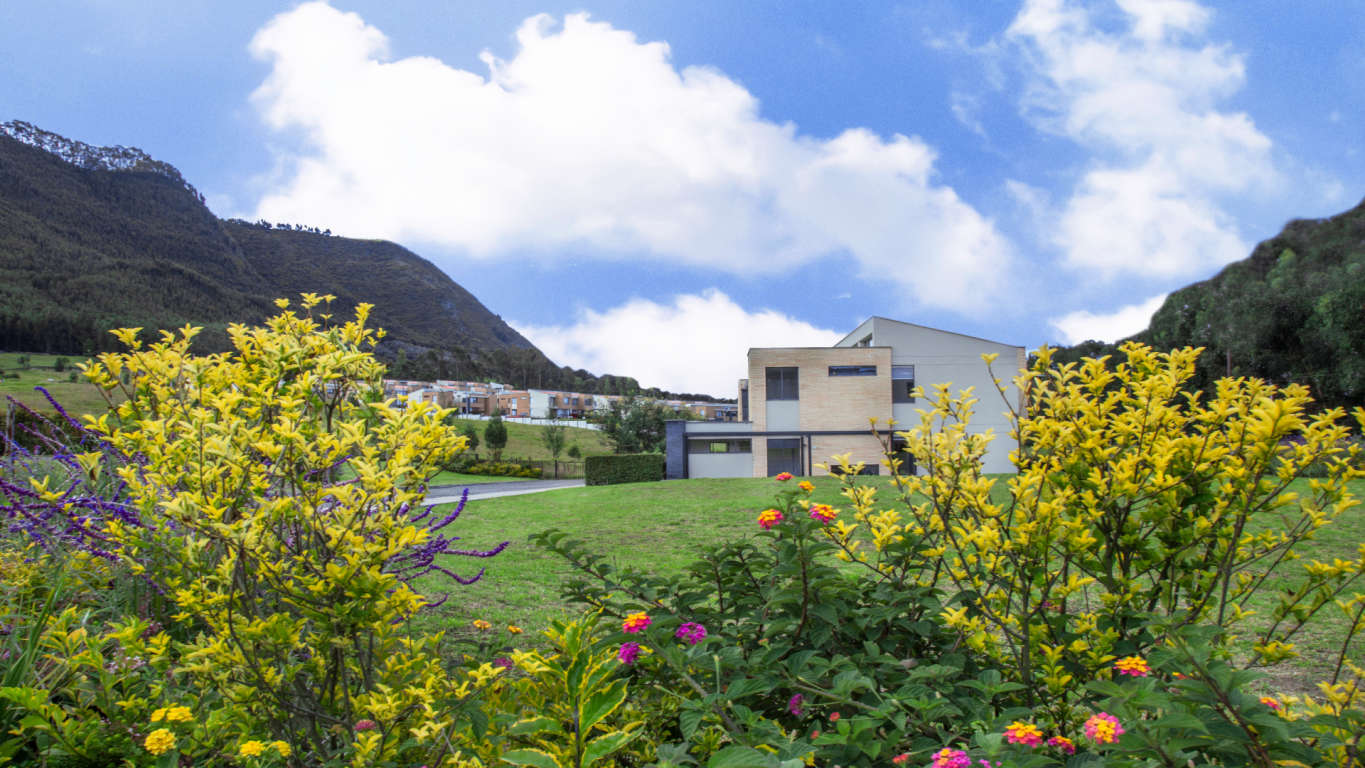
x=902, y=388
x=788, y=380
x=853, y=370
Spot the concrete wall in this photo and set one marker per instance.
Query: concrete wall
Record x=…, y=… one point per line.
x=864, y=448
x=721, y=465
x=943, y=357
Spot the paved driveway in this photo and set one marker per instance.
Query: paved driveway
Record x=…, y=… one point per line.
x=447, y=494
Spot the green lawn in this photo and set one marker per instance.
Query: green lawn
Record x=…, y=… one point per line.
x=662, y=526
x=524, y=440
x=77, y=397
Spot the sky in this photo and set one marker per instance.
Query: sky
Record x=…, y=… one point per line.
x=651, y=188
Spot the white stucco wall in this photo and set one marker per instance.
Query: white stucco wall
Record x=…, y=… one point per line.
x=943, y=357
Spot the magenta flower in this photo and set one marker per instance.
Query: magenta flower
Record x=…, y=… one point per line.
x=794, y=704
x=692, y=632
x=365, y=725
x=629, y=653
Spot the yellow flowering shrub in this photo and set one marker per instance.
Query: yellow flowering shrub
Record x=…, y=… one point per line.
x=1138, y=507
x=277, y=500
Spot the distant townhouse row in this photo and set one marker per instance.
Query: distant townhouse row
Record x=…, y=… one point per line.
x=482, y=398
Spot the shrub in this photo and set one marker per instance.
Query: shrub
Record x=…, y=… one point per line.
x=1094, y=599
x=289, y=583
x=501, y=469
x=625, y=468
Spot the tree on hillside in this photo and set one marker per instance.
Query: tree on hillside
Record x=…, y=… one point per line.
x=554, y=436
x=633, y=425
x=495, y=435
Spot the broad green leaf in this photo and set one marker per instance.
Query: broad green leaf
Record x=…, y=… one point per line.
x=736, y=756
x=532, y=757
x=606, y=744
x=601, y=704
x=534, y=725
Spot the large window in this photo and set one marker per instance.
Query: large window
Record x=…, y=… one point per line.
x=853, y=370
x=782, y=384
x=720, y=446
x=902, y=383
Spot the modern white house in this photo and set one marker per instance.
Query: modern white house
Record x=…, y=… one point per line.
x=800, y=406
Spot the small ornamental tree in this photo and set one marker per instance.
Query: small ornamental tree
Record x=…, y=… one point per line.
x=295, y=583
x=554, y=436
x=471, y=436
x=495, y=434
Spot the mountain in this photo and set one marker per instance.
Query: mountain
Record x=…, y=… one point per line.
x=93, y=238
x=1292, y=311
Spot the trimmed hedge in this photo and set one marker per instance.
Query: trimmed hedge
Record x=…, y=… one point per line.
x=626, y=468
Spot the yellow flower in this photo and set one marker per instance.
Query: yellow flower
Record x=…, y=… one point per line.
x=481, y=625
x=159, y=715
x=160, y=741
x=251, y=748
x=806, y=486
x=514, y=629
x=282, y=747
x=178, y=715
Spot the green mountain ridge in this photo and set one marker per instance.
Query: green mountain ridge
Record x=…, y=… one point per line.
x=93, y=238
x=1292, y=311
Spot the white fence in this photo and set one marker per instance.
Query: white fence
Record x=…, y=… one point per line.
x=581, y=424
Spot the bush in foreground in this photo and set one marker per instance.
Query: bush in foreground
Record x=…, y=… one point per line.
x=1084, y=611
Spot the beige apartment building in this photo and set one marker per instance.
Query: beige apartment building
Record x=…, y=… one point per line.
x=800, y=406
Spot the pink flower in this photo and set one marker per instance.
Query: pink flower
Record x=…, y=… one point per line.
x=901, y=759
x=1062, y=743
x=834, y=717
x=629, y=653
x=794, y=704
x=783, y=477
x=1135, y=666
x=951, y=758
x=365, y=725
x=1103, y=728
x=692, y=632
x=1027, y=734
x=769, y=518
x=1270, y=701
x=503, y=661
x=822, y=512
x=636, y=622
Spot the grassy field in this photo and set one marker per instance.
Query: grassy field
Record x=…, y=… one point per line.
x=661, y=527
x=524, y=440
x=77, y=397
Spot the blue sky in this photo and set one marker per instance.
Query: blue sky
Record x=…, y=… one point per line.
x=650, y=188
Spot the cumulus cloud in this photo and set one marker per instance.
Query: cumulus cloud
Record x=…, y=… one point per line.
x=586, y=136
x=697, y=343
x=1076, y=327
x=1143, y=100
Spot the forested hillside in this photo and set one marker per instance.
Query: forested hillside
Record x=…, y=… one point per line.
x=93, y=238
x=1293, y=311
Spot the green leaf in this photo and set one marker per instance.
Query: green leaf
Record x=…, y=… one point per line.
x=745, y=686
x=736, y=756
x=602, y=703
x=689, y=720
x=535, y=725
x=532, y=757
x=606, y=744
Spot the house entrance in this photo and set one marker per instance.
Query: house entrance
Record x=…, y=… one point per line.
x=784, y=455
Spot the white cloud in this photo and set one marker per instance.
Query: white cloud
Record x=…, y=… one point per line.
x=1144, y=101
x=1076, y=327
x=588, y=137
x=698, y=343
